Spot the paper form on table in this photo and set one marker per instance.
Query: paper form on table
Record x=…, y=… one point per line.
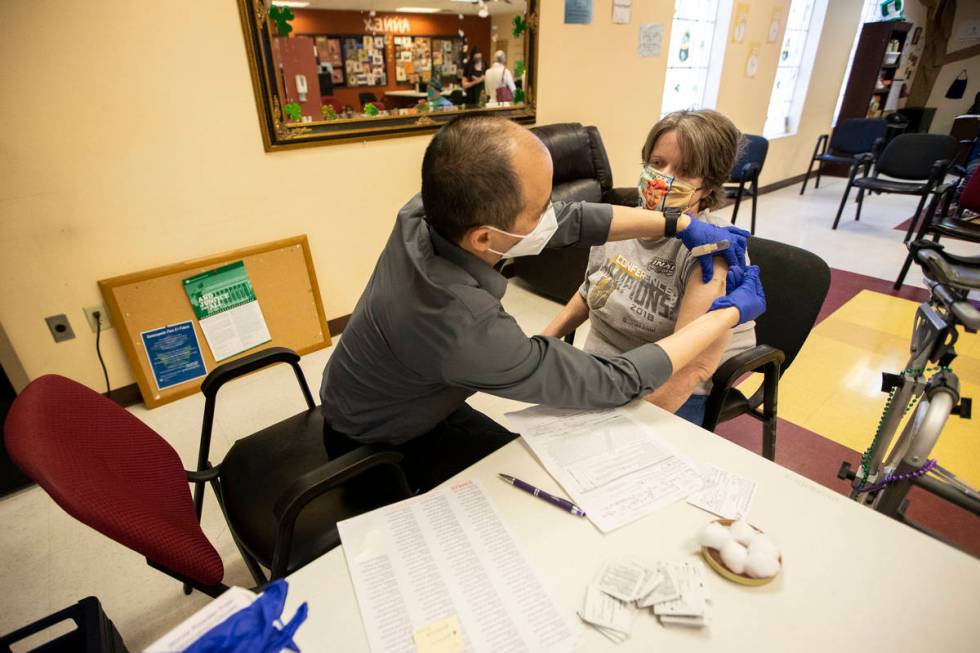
x=613, y=467
x=447, y=553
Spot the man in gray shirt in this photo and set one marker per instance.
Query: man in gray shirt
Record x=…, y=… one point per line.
x=429, y=330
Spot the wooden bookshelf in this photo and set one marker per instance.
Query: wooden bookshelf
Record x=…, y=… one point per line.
x=871, y=67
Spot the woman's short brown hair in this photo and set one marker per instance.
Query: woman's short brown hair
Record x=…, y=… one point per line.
x=709, y=143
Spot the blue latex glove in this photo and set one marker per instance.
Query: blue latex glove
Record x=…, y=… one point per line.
x=744, y=293
x=253, y=629
x=703, y=233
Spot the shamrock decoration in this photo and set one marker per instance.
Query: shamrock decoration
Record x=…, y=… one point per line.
x=520, y=26
x=328, y=112
x=294, y=111
x=281, y=16
x=370, y=109
x=519, y=68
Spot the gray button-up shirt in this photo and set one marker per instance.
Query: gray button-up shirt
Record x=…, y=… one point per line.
x=429, y=331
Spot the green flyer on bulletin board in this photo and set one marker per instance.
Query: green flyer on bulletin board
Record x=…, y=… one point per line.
x=227, y=309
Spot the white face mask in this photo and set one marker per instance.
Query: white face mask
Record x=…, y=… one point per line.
x=532, y=243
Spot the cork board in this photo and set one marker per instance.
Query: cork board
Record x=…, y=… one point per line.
x=285, y=286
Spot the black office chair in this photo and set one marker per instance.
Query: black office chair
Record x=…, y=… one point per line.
x=852, y=138
x=940, y=221
x=921, y=158
x=581, y=173
x=745, y=172
x=796, y=282
x=366, y=97
x=897, y=124
x=281, y=494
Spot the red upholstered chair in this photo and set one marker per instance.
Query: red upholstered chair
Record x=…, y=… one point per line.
x=110, y=471
x=280, y=493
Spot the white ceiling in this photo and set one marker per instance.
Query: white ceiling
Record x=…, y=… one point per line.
x=446, y=6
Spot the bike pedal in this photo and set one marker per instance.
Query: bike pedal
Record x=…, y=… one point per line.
x=890, y=381
x=964, y=409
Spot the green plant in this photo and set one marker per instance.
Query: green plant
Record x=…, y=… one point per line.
x=294, y=111
x=520, y=26
x=518, y=96
x=328, y=112
x=370, y=109
x=519, y=68
x=281, y=17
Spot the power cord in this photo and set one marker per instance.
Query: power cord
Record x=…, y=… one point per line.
x=98, y=350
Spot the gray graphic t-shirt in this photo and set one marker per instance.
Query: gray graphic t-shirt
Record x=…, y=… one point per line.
x=633, y=289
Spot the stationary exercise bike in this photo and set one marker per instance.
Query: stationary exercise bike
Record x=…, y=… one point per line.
x=930, y=389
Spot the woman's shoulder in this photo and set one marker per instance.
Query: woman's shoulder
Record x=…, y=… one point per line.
x=707, y=216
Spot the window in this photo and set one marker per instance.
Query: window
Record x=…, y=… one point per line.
x=869, y=13
x=696, y=54
x=803, y=26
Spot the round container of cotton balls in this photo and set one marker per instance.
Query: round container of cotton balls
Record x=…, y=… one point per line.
x=740, y=552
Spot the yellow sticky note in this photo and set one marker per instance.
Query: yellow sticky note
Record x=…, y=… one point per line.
x=444, y=636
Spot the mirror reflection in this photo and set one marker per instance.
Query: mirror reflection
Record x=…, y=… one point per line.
x=341, y=61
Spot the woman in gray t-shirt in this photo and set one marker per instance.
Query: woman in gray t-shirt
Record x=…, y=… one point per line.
x=639, y=291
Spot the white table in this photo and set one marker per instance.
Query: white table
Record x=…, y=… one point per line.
x=827, y=597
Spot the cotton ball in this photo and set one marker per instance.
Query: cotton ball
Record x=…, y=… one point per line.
x=762, y=543
x=742, y=532
x=761, y=564
x=734, y=556
x=715, y=536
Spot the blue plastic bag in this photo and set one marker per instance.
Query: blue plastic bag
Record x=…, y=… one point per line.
x=255, y=629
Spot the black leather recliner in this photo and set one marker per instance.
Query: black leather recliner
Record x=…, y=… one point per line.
x=581, y=173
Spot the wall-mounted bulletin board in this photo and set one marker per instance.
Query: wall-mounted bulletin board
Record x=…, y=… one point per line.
x=413, y=58
x=330, y=58
x=154, y=316
x=364, y=60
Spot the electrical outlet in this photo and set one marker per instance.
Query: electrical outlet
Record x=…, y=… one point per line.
x=60, y=327
x=103, y=316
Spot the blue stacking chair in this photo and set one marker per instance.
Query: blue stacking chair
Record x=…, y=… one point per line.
x=852, y=139
x=745, y=172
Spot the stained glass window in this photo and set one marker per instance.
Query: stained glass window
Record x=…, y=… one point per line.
x=796, y=55
x=696, y=54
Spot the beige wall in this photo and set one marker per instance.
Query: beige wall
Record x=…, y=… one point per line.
x=746, y=100
x=132, y=141
x=947, y=109
x=505, y=33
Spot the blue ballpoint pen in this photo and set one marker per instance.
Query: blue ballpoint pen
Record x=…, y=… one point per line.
x=564, y=504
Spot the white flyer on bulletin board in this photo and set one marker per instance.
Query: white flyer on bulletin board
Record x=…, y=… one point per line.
x=227, y=309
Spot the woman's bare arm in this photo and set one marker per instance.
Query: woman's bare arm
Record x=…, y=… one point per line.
x=571, y=317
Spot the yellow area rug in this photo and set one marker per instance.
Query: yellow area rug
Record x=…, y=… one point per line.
x=834, y=386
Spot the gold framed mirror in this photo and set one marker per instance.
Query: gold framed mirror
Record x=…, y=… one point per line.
x=334, y=71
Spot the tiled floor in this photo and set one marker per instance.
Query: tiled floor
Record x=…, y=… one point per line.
x=48, y=561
